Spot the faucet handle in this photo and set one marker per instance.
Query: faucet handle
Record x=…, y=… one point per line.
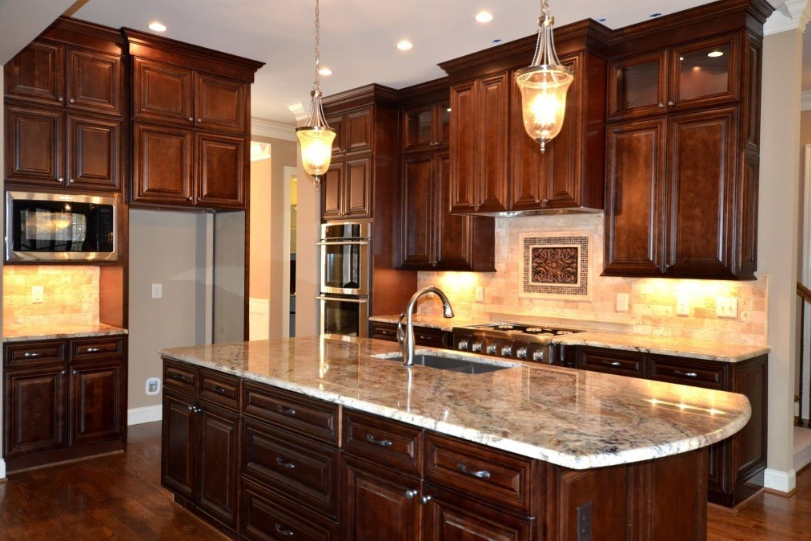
x=401, y=333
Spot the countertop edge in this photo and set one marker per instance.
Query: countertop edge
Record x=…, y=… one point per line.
x=65, y=336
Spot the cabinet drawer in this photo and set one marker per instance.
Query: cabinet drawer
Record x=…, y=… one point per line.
x=28, y=354
x=269, y=516
x=436, y=338
x=182, y=377
x=219, y=388
x=383, y=331
x=96, y=349
x=302, y=469
x=492, y=475
x=307, y=416
x=688, y=372
x=382, y=441
x=623, y=363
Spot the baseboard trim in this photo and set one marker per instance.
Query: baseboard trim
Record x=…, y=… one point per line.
x=780, y=481
x=2, y=468
x=148, y=414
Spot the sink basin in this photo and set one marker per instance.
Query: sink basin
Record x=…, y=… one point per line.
x=452, y=364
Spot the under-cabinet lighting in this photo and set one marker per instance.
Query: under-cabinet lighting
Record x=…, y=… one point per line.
x=157, y=27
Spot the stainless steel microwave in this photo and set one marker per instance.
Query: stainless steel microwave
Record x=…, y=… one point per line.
x=61, y=227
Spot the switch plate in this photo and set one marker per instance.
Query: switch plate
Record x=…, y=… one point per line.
x=683, y=305
x=622, y=302
x=479, y=294
x=157, y=291
x=726, y=307
x=37, y=294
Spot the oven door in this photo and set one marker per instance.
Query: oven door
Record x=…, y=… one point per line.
x=348, y=316
x=345, y=267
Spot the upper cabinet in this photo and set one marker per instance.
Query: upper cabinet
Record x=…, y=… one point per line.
x=190, y=112
x=426, y=127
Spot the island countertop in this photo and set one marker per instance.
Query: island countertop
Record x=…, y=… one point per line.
x=571, y=418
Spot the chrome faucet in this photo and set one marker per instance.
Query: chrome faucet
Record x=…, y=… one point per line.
x=406, y=336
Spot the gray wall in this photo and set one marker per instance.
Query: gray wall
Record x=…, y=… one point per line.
x=171, y=248
x=229, y=277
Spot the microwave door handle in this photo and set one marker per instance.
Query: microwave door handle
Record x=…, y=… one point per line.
x=340, y=299
x=343, y=243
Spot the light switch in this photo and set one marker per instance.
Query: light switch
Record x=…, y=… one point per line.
x=157, y=291
x=726, y=307
x=622, y=302
x=37, y=294
x=683, y=305
x=479, y=294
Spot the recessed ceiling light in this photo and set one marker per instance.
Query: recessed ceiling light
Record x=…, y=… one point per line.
x=325, y=71
x=654, y=15
x=405, y=45
x=157, y=27
x=715, y=54
x=484, y=16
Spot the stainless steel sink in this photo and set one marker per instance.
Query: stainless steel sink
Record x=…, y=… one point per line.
x=452, y=364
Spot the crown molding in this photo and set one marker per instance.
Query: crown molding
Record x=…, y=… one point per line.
x=806, y=101
x=273, y=129
x=793, y=15
x=301, y=110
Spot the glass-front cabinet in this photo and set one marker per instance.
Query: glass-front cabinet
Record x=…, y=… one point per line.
x=693, y=75
x=426, y=127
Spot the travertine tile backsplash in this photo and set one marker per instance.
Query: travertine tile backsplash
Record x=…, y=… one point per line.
x=651, y=302
x=71, y=295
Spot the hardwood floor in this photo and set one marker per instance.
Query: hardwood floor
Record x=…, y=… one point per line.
x=119, y=498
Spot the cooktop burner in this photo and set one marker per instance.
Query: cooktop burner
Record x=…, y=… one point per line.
x=517, y=340
x=519, y=328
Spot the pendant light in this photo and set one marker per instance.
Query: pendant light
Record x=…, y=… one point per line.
x=544, y=85
x=315, y=138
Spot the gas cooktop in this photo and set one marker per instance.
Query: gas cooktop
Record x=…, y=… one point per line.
x=515, y=340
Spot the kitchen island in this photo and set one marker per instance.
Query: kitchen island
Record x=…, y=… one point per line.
x=326, y=438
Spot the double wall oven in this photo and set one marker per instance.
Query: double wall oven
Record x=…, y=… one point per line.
x=345, y=250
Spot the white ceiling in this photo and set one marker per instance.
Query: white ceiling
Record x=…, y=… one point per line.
x=358, y=37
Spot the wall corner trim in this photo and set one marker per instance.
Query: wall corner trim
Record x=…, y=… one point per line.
x=139, y=416
x=273, y=129
x=806, y=100
x=793, y=15
x=781, y=481
x=2, y=468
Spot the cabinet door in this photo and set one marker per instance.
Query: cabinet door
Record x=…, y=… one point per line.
x=178, y=447
x=94, y=81
x=220, y=178
x=162, y=165
x=162, y=92
x=358, y=130
x=417, y=211
x=379, y=503
x=442, y=124
x=705, y=73
x=93, y=147
x=529, y=171
x=218, y=463
x=635, y=178
x=331, y=190
x=35, y=411
x=701, y=171
x=464, y=146
x=418, y=128
x=97, y=403
x=637, y=86
x=358, y=188
x=453, y=242
x=491, y=174
x=37, y=73
x=219, y=103
x=336, y=122
x=34, y=146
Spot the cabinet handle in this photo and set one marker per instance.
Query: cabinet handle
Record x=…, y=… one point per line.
x=281, y=462
x=409, y=494
x=71, y=100
x=611, y=363
x=28, y=355
x=92, y=350
x=381, y=443
x=423, y=337
x=686, y=374
x=281, y=530
x=286, y=411
x=425, y=499
x=481, y=474
x=217, y=389
x=191, y=408
x=179, y=377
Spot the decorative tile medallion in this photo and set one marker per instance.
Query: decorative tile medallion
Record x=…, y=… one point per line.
x=555, y=265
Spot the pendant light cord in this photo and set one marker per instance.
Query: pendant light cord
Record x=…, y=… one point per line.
x=317, y=83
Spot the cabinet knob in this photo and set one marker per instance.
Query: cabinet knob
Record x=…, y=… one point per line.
x=71, y=181
x=545, y=202
x=199, y=120
x=75, y=372
x=671, y=103
x=71, y=100
x=63, y=372
x=425, y=499
x=191, y=408
x=662, y=105
x=409, y=494
x=60, y=180
x=61, y=99
x=191, y=119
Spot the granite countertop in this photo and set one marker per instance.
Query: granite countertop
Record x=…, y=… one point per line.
x=24, y=333
x=572, y=418
x=430, y=321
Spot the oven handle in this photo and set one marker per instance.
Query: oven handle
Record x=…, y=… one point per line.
x=341, y=299
x=343, y=243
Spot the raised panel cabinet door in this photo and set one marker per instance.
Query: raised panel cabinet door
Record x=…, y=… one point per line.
x=35, y=411
x=94, y=81
x=336, y=122
x=379, y=504
x=34, y=146
x=528, y=172
x=97, y=401
x=219, y=103
x=162, y=172
x=93, y=150
x=220, y=167
x=701, y=176
x=453, y=233
x=464, y=146
x=358, y=188
x=417, y=211
x=358, y=130
x=493, y=102
x=331, y=191
x=37, y=73
x=179, y=444
x=637, y=85
x=218, y=463
x=162, y=92
x=635, y=192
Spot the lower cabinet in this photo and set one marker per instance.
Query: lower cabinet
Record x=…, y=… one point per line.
x=425, y=336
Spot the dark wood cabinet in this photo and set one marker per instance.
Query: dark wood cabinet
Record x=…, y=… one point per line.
x=179, y=444
x=93, y=152
x=220, y=176
x=97, y=412
x=35, y=411
x=94, y=81
x=218, y=462
x=37, y=73
x=418, y=206
x=219, y=103
x=426, y=127
x=425, y=336
x=162, y=165
x=162, y=92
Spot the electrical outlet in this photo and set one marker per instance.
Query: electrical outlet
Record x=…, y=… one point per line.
x=153, y=386
x=726, y=307
x=479, y=294
x=683, y=305
x=585, y=530
x=622, y=302
x=157, y=291
x=37, y=294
